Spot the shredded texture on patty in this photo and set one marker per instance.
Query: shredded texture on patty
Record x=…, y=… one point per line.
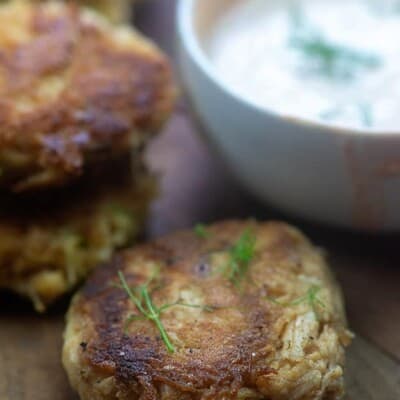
x=250, y=311
x=73, y=90
x=50, y=243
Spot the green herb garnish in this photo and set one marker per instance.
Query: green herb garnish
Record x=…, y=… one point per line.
x=311, y=298
x=326, y=57
x=201, y=231
x=142, y=299
x=240, y=256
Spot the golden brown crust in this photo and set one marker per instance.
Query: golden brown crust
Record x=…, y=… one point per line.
x=247, y=347
x=50, y=242
x=73, y=89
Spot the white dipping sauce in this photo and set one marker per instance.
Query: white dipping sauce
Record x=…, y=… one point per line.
x=253, y=52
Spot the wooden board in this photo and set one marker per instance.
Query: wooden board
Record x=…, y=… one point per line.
x=196, y=187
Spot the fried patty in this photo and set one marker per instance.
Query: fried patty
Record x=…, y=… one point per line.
x=50, y=243
x=238, y=310
x=73, y=90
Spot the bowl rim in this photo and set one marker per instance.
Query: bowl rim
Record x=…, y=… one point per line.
x=190, y=40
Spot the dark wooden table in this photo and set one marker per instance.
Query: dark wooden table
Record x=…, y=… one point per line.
x=196, y=187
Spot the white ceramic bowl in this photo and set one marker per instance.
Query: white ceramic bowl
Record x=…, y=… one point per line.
x=343, y=177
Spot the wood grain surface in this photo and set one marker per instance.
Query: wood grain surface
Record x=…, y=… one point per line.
x=196, y=187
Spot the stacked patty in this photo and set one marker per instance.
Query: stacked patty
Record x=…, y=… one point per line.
x=79, y=100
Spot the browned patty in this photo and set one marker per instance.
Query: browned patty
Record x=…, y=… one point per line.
x=50, y=243
x=276, y=331
x=73, y=90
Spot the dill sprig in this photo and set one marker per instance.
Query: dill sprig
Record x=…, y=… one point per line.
x=201, y=231
x=141, y=297
x=240, y=256
x=326, y=57
x=311, y=298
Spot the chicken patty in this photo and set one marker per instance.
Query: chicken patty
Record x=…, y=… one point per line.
x=73, y=90
x=50, y=243
x=237, y=310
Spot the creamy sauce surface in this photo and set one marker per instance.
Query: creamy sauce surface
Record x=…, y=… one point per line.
x=332, y=61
